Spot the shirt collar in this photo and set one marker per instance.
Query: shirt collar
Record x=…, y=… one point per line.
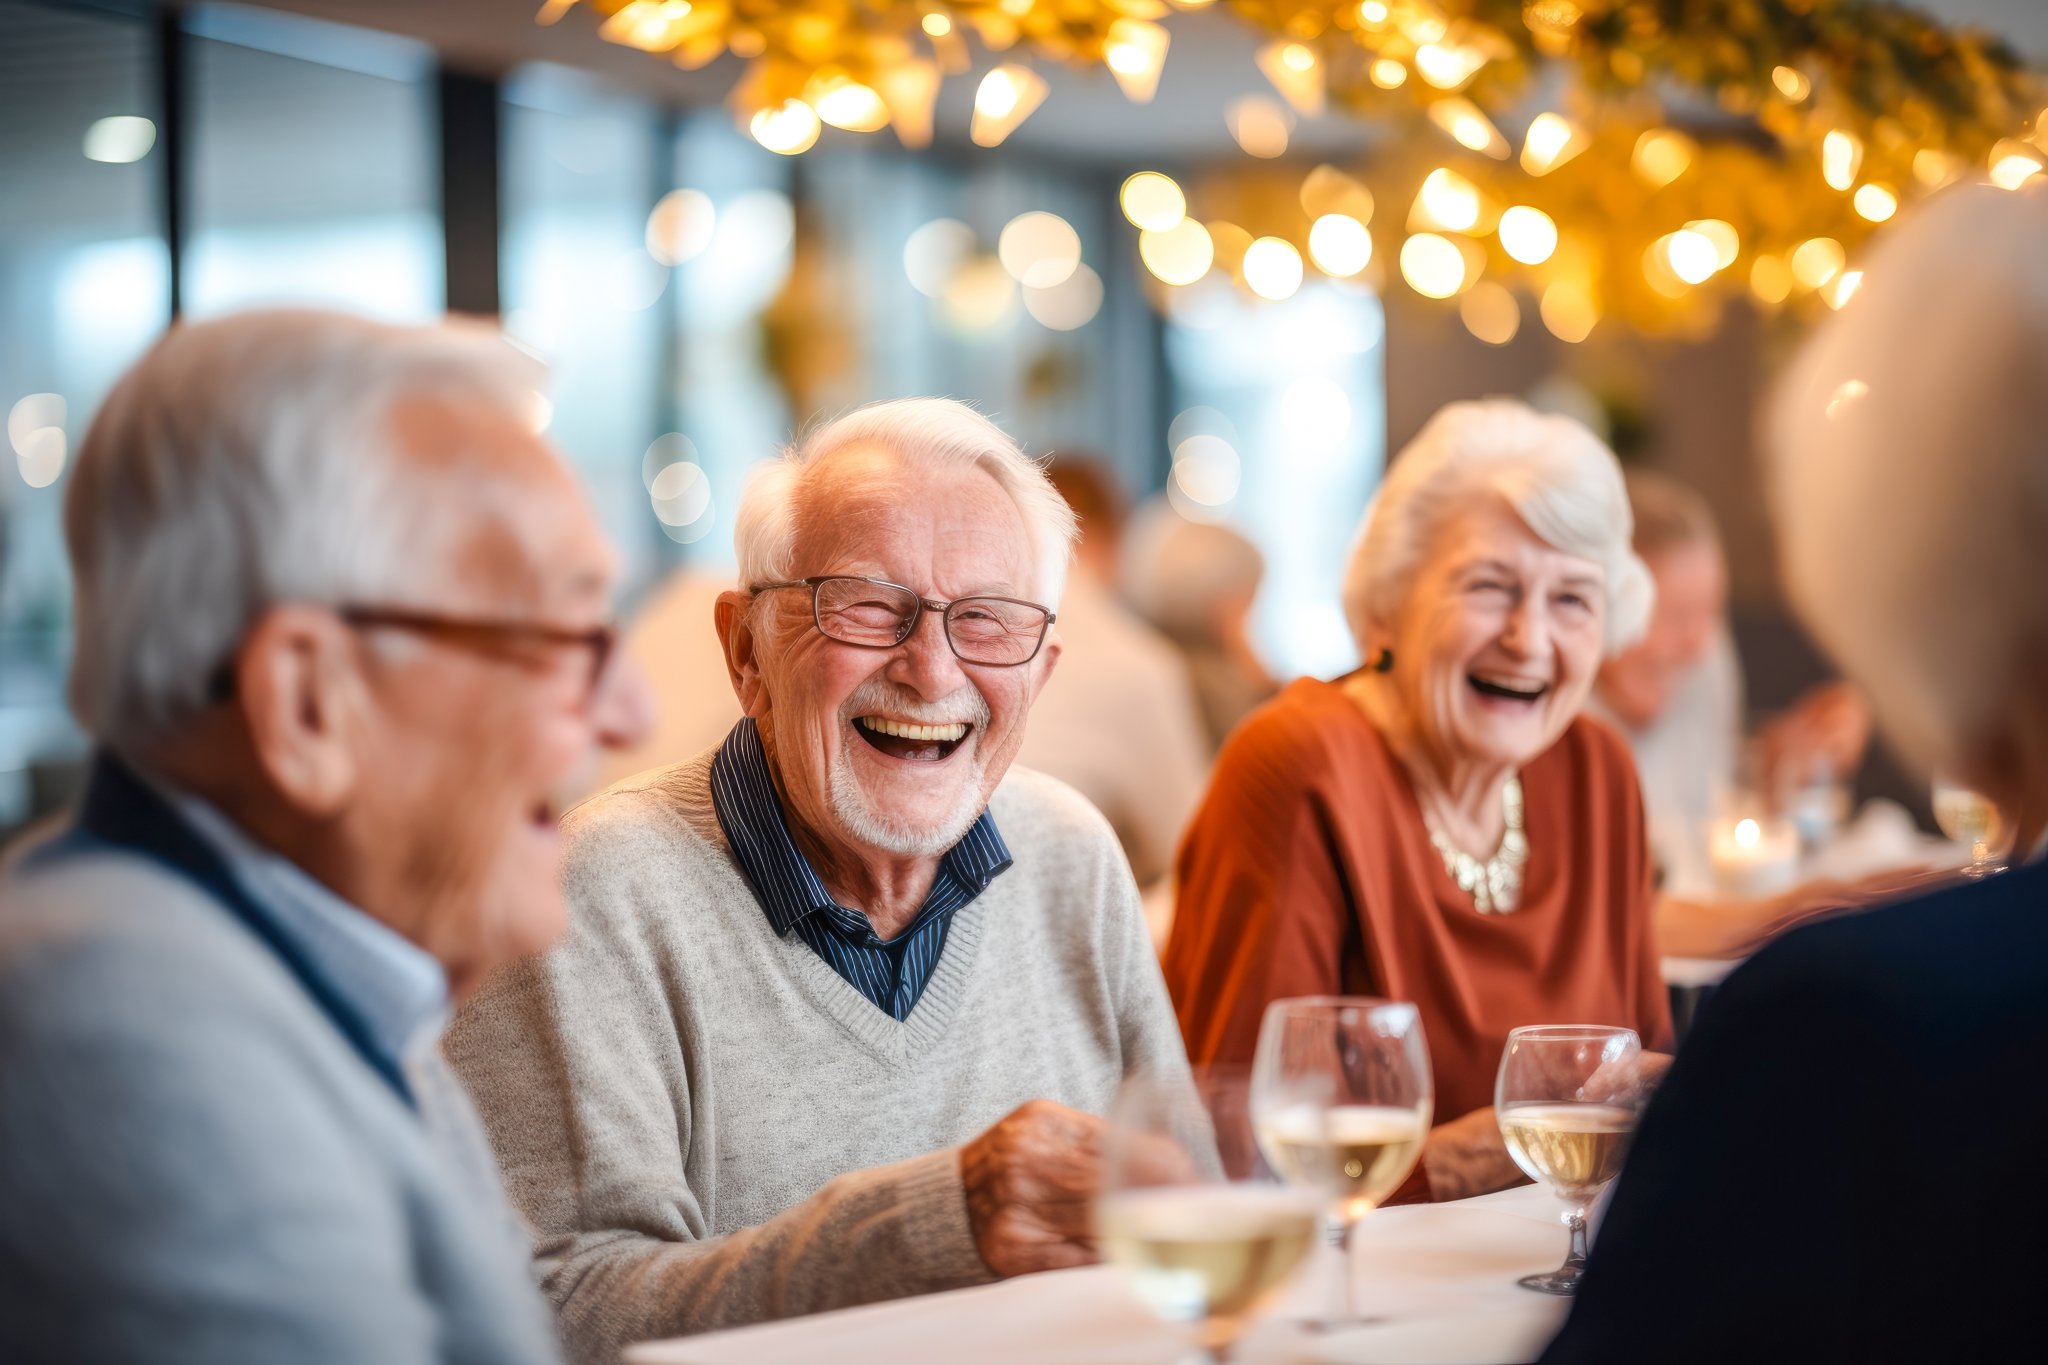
x=750, y=812
x=400, y=989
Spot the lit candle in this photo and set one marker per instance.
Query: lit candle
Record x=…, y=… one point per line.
x=1755, y=857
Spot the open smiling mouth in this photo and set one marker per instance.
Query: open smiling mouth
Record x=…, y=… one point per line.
x=917, y=743
x=1502, y=690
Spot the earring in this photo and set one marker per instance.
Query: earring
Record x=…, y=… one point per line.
x=1383, y=662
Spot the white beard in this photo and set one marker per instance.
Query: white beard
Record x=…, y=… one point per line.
x=878, y=830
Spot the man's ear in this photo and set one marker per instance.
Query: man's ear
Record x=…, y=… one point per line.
x=736, y=637
x=1048, y=656
x=299, y=689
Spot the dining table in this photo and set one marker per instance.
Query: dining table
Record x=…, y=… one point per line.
x=1433, y=1284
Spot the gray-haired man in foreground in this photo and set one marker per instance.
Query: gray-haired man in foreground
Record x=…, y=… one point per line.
x=841, y=998
x=340, y=637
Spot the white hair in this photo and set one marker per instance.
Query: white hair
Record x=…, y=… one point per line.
x=245, y=462
x=1553, y=472
x=1909, y=461
x=928, y=432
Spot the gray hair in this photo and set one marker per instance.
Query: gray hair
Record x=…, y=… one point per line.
x=927, y=432
x=1554, y=473
x=1908, y=453
x=245, y=462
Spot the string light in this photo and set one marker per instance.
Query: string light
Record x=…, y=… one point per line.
x=1432, y=265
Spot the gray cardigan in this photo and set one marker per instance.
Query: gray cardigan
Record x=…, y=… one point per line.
x=196, y=1167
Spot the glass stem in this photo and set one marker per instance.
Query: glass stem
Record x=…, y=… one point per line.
x=1575, y=1260
x=1341, y=1308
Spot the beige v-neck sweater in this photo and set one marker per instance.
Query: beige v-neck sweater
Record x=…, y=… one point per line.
x=706, y=1126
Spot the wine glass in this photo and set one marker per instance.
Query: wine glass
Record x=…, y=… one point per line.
x=1567, y=1099
x=1190, y=1212
x=1969, y=817
x=1341, y=1099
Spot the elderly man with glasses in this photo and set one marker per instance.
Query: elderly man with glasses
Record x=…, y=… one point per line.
x=340, y=635
x=842, y=998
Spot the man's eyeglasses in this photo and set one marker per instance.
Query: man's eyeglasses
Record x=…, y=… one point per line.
x=996, y=632
x=502, y=639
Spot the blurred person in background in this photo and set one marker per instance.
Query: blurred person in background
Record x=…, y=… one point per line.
x=843, y=1000
x=1117, y=721
x=1195, y=582
x=673, y=642
x=1844, y=1161
x=1442, y=825
x=340, y=637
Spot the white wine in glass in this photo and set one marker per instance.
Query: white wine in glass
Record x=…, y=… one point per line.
x=1341, y=1100
x=1969, y=817
x=1188, y=1210
x=1567, y=1099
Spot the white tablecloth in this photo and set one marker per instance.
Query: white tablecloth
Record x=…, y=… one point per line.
x=1438, y=1280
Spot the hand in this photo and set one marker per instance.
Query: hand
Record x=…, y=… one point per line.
x=1030, y=1183
x=1829, y=725
x=1466, y=1156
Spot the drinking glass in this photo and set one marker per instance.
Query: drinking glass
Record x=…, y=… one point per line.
x=1969, y=817
x=1341, y=1099
x=1567, y=1100
x=1190, y=1212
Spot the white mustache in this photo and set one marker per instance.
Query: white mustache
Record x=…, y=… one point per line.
x=876, y=697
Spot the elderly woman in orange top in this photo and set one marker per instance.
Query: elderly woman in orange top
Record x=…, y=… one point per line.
x=1443, y=826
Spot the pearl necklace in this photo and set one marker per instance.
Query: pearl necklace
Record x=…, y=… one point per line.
x=1496, y=884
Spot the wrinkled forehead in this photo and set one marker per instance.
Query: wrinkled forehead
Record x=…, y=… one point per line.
x=516, y=532
x=1491, y=531
x=950, y=528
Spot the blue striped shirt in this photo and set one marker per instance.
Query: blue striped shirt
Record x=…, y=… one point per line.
x=890, y=973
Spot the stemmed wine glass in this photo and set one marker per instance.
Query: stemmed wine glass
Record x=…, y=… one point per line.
x=1970, y=817
x=1341, y=1098
x=1189, y=1210
x=1567, y=1100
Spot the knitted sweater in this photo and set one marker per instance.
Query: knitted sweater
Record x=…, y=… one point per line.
x=706, y=1126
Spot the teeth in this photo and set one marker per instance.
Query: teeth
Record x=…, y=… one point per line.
x=903, y=730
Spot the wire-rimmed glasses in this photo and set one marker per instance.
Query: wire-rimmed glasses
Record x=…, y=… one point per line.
x=872, y=613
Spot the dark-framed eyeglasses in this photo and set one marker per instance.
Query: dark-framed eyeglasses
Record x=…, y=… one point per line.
x=872, y=613
x=500, y=639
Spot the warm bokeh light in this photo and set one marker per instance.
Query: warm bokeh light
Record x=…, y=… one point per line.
x=1846, y=393
x=1791, y=82
x=680, y=226
x=1153, y=201
x=1490, y=313
x=1433, y=266
x=1039, y=249
x=1876, y=202
x=1727, y=241
x=1071, y=303
x=1448, y=200
x=1661, y=156
x=845, y=103
x=1329, y=190
x=1568, y=311
x=790, y=128
x=1528, y=235
x=2014, y=163
x=1817, y=260
x=1551, y=141
x=1179, y=255
x=1207, y=470
x=1373, y=15
x=1691, y=255
x=1260, y=125
x=1770, y=279
x=119, y=139
x=1135, y=52
x=1388, y=74
x=933, y=252
x=1272, y=268
x=1838, y=291
x=980, y=295
x=937, y=25
x=1841, y=157
x=1006, y=97
x=1448, y=66
x=1468, y=127
x=650, y=25
x=1295, y=73
x=1933, y=168
x=1339, y=245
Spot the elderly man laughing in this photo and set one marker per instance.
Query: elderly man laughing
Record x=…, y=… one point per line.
x=341, y=637
x=839, y=999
